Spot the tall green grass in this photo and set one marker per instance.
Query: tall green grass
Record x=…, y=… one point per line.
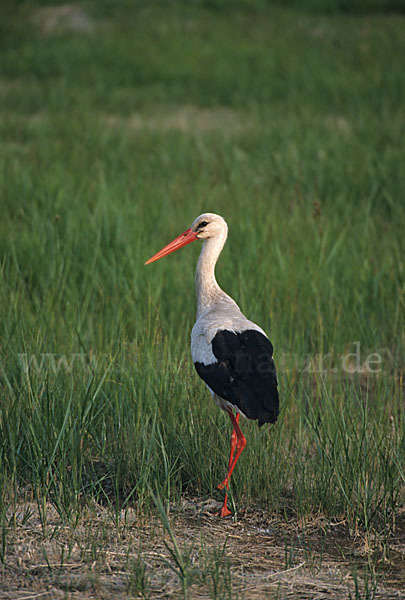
x=99, y=398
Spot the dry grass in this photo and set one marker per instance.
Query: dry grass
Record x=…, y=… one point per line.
x=187, y=119
x=66, y=17
x=256, y=556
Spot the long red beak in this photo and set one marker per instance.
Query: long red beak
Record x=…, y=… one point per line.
x=182, y=240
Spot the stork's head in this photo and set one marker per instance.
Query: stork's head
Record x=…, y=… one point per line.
x=207, y=225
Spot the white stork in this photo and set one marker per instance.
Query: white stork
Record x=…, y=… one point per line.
x=231, y=354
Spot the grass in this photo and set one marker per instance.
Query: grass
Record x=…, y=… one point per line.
x=114, y=137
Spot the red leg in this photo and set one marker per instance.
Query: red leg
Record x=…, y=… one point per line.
x=239, y=444
x=233, y=442
x=225, y=512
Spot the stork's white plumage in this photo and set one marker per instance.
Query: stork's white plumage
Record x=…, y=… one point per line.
x=231, y=354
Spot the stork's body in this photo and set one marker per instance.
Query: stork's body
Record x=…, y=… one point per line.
x=231, y=354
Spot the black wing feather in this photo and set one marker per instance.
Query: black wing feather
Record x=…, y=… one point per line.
x=245, y=373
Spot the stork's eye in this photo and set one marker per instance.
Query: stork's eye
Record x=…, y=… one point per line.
x=202, y=224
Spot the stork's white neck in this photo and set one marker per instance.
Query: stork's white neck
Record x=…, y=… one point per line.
x=207, y=288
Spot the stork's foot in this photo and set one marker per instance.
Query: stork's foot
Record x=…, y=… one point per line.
x=224, y=512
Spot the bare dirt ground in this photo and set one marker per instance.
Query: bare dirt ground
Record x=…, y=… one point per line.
x=109, y=555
